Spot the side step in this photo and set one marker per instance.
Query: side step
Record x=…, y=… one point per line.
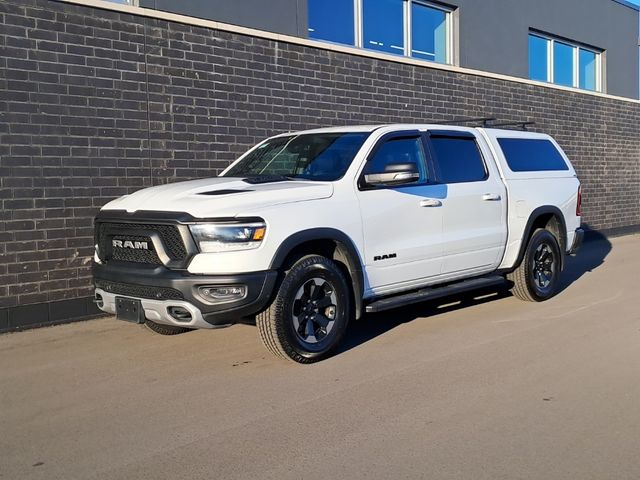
x=431, y=293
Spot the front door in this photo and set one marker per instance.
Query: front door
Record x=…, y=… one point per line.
x=402, y=224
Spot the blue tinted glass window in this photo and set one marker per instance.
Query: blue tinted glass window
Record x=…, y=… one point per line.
x=382, y=25
x=528, y=155
x=320, y=156
x=398, y=150
x=562, y=64
x=428, y=33
x=332, y=21
x=458, y=159
x=538, y=58
x=587, y=69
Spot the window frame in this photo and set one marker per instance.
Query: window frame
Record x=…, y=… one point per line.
x=576, y=46
x=407, y=28
x=454, y=134
x=404, y=134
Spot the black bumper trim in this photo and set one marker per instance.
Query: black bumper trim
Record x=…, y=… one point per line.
x=260, y=286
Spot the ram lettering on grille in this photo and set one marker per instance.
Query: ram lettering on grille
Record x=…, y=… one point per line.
x=130, y=244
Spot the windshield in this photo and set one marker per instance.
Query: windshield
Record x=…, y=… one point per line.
x=315, y=156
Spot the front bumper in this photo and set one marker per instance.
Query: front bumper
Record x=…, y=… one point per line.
x=577, y=241
x=159, y=289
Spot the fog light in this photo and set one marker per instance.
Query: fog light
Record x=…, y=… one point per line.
x=222, y=293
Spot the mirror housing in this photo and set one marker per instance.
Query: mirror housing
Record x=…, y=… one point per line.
x=394, y=174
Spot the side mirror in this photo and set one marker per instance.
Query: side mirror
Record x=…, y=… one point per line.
x=394, y=174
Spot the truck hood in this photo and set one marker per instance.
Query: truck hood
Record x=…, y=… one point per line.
x=220, y=196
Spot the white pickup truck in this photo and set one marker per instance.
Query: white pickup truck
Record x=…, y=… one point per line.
x=309, y=230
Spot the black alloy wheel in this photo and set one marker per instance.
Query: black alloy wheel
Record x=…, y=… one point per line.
x=310, y=312
x=314, y=310
x=537, y=277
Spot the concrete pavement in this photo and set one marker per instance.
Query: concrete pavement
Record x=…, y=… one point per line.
x=488, y=388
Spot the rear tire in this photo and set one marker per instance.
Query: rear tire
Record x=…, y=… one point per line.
x=536, y=278
x=165, y=329
x=310, y=313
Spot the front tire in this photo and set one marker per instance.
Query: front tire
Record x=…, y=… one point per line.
x=536, y=278
x=308, y=317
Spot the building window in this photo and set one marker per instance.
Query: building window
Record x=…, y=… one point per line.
x=382, y=25
x=332, y=21
x=563, y=67
x=413, y=28
x=587, y=69
x=563, y=63
x=429, y=32
x=538, y=58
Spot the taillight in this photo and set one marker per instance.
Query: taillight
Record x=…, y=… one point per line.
x=579, y=204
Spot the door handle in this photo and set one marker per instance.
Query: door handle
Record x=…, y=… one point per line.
x=430, y=202
x=491, y=197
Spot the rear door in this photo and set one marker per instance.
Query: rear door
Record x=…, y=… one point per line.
x=474, y=228
x=402, y=225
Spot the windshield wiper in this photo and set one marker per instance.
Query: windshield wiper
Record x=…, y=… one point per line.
x=255, y=179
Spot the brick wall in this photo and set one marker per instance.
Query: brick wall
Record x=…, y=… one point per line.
x=96, y=104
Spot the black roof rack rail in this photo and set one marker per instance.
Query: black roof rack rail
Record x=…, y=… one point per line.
x=482, y=120
x=520, y=125
x=485, y=122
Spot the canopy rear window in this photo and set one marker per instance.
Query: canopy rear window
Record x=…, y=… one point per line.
x=531, y=155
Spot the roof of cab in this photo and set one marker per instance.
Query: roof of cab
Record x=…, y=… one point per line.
x=396, y=126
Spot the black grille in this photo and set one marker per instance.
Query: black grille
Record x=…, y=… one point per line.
x=169, y=234
x=139, y=291
x=137, y=255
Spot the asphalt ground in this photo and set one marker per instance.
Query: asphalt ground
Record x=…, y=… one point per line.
x=480, y=386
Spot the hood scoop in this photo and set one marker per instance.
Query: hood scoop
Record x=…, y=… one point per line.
x=258, y=179
x=224, y=192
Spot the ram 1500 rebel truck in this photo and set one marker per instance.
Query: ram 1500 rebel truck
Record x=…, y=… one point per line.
x=309, y=230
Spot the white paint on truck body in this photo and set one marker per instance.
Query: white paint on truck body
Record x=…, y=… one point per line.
x=464, y=236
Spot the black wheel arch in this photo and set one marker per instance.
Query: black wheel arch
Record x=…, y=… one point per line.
x=334, y=243
x=540, y=218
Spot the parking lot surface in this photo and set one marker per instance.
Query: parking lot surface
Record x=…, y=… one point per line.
x=481, y=386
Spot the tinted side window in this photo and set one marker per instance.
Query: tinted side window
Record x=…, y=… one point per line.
x=529, y=155
x=458, y=159
x=398, y=150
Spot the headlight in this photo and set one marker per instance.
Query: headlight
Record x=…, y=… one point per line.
x=212, y=237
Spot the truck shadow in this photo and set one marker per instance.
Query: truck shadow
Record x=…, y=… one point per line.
x=591, y=256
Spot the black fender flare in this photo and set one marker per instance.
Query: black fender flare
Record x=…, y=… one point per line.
x=348, y=253
x=537, y=213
